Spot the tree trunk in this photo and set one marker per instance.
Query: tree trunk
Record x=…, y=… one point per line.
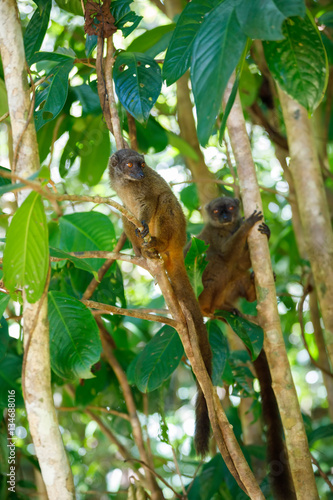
x=282, y=382
x=36, y=382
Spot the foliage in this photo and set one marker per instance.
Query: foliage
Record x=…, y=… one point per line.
x=210, y=38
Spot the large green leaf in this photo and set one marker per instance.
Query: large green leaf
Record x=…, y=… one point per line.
x=138, y=83
x=263, y=18
x=72, y=6
x=36, y=29
x=26, y=256
x=53, y=94
x=216, y=51
x=125, y=19
x=158, y=360
x=87, y=231
x=154, y=41
x=195, y=264
x=220, y=350
x=74, y=339
x=10, y=372
x=178, y=56
x=252, y=335
x=299, y=62
x=95, y=152
x=3, y=98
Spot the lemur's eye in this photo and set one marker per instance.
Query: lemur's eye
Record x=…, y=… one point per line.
x=231, y=207
x=143, y=164
x=215, y=211
x=130, y=165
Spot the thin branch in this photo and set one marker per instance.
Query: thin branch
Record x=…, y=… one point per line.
x=3, y=117
x=178, y=495
x=102, y=254
x=133, y=313
x=322, y=473
x=95, y=408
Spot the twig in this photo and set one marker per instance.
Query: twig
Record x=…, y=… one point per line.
x=102, y=254
x=133, y=313
x=95, y=408
x=322, y=473
x=3, y=117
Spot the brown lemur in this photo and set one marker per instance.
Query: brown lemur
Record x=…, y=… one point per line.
x=149, y=198
x=227, y=278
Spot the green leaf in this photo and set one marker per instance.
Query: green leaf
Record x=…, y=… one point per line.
x=36, y=29
x=78, y=263
x=65, y=56
x=216, y=52
x=89, y=100
x=26, y=255
x=51, y=98
x=190, y=198
x=87, y=231
x=89, y=140
x=3, y=99
x=220, y=350
x=183, y=147
x=125, y=19
x=178, y=56
x=299, y=63
x=91, y=42
x=252, y=335
x=322, y=432
x=195, y=262
x=74, y=338
x=7, y=186
x=4, y=337
x=154, y=41
x=3, y=180
x=263, y=18
x=71, y=6
x=138, y=83
x=151, y=135
x=10, y=372
x=158, y=360
x=95, y=152
x=88, y=391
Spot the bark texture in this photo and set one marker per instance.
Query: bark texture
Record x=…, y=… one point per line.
x=41, y=414
x=313, y=207
x=283, y=386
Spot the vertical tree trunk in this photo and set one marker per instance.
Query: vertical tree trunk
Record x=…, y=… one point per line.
x=313, y=208
x=283, y=386
x=41, y=414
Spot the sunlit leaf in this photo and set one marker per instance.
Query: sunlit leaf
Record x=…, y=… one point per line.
x=36, y=29
x=252, y=335
x=299, y=62
x=26, y=256
x=138, y=83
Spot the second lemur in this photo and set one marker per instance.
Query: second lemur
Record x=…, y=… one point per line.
x=227, y=278
x=149, y=198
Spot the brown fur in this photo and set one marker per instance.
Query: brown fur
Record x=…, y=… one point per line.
x=149, y=198
x=226, y=278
